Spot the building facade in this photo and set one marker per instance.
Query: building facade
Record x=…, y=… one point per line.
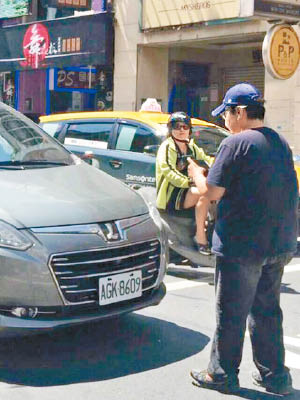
x=187, y=53
x=57, y=57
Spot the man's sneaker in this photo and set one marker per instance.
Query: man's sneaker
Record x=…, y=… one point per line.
x=202, y=379
x=203, y=249
x=281, y=385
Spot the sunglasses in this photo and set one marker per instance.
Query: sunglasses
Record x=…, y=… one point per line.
x=226, y=111
x=179, y=126
x=224, y=114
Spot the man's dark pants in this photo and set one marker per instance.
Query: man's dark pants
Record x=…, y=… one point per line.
x=246, y=288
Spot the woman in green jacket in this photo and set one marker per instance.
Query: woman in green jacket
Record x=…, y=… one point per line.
x=175, y=190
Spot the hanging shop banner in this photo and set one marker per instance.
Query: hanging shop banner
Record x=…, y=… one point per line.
x=83, y=40
x=14, y=8
x=286, y=9
x=161, y=13
x=281, y=51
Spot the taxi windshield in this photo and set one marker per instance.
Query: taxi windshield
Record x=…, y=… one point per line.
x=24, y=145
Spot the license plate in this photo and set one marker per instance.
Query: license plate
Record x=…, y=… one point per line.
x=120, y=287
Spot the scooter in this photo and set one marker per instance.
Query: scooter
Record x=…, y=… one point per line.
x=180, y=229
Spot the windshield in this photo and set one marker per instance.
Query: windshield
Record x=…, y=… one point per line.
x=209, y=137
x=23, y=143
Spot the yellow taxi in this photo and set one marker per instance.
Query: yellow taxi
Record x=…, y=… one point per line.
x=124, y=143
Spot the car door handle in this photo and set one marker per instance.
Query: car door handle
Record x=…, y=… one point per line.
x=116, y=164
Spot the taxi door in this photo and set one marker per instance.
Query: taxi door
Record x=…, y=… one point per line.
x=138, y=168
x=91, y=140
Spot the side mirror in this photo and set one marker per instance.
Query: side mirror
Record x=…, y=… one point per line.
x=151, y=149
x=87, y=155
x=89, y=158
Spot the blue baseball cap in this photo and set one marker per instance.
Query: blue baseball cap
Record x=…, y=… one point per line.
x=242, y=94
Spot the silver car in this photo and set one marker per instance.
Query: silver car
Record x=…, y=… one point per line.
x=76, y=245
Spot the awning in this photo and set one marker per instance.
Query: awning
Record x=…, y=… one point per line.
x=72, y=41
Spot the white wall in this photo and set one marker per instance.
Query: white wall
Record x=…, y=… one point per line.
x=141, y=65
x=127, y=36
x=152, y=75
x=283, y=107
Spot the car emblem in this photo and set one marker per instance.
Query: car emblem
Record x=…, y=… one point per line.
x=110, y=232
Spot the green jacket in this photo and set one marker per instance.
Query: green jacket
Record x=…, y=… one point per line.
x=167, y=176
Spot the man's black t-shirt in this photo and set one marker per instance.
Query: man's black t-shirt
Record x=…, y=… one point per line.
x=257, y=216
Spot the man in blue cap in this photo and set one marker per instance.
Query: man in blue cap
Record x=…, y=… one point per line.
x=255, y=236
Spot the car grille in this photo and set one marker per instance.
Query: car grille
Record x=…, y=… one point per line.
x=77, y=274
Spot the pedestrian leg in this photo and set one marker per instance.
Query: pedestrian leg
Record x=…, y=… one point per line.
x=265, y=326
x=236, y=283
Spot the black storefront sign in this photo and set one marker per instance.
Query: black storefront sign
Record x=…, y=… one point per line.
x=276, y=8
x=84, y=40
x=80, y=78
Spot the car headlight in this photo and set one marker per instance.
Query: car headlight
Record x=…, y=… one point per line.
x=11, y=238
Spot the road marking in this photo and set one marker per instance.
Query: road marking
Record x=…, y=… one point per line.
x=292, y=360
x=183, y=285
x=287, y=340
x=292, y=342
x=292, y=268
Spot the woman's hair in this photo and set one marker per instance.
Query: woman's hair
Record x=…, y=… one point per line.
x=178, y=116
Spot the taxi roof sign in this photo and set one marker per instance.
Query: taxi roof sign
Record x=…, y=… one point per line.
x=151, y=104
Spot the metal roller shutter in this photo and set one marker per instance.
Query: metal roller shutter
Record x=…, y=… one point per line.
x=254, y=75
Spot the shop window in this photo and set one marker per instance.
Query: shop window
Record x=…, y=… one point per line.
x=32, y=93
x=51, y=9
x=188, y=88
x=81, y=89
x=7, y=88
x=95, y=135
x=12, y=12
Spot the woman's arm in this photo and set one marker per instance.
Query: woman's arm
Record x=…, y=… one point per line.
x=166, y=162
x=201, y=155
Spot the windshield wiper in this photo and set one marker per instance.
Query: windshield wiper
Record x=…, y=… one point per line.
x=11, y=166
x=24, y=164
x=29, y=162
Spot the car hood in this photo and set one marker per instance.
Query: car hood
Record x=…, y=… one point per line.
x=75, y=194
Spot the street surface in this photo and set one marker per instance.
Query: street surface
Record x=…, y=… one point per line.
x=142, y=356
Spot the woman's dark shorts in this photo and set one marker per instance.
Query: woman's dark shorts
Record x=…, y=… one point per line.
x=176, y=201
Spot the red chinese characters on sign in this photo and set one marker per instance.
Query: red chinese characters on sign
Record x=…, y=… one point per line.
x=36, y=44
